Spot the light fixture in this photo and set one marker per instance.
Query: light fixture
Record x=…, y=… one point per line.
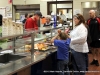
x=25, y=1
x=57, y=0
x=46, y=0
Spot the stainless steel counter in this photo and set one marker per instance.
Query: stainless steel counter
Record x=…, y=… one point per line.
x=15, y=66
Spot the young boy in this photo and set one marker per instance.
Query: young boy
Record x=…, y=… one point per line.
x=62, y=41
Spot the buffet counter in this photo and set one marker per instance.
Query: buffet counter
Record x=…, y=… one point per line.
x=32, y=53
x=13, y=67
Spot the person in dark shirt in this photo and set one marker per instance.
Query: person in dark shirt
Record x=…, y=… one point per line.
x=26, y=17
x=30, y=15
x=48, y=23
x=62, y=41
x=95, y=37
x=31, y=22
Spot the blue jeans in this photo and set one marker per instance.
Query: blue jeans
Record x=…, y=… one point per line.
x=79, y=62
x=62, y=65
x=86, y=58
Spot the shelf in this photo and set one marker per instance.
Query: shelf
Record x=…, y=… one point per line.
x=21, y=42
x=14, y=36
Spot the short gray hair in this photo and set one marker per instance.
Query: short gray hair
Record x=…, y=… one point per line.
x=48, y=17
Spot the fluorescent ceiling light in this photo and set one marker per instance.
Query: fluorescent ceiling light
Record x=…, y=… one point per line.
x=56, y=0
x=46, y=0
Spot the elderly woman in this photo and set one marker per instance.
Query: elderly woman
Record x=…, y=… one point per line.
x=79, y=45
x=48, y=23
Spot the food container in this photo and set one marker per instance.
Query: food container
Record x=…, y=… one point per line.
x=41, y=47
x=38, y=35
x=14, y=27
x=18, y=30
x=21, y=27
x=27, y=48
x=10, y=26
x=5, y=27
x=5, y=21
x=9, y=20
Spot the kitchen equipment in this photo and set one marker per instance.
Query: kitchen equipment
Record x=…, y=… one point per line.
x=4, y=57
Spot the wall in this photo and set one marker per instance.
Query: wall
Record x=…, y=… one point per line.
x=43, y=4
x=5, y=3
x=77, y=4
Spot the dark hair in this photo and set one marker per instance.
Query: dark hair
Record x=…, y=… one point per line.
x=81, y=18
x=38, y=13
x=63, y=36
x=1, y=17
x=26, y=14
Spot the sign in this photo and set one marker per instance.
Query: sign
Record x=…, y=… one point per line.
x=3, y=11
x=9, y=14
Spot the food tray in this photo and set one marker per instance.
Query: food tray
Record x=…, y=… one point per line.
x=49, y=48
x=43, y=50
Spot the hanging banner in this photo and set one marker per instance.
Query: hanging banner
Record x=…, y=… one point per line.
x=9, y=1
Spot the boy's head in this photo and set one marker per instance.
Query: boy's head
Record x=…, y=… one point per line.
x=38, y=15
x=62, y=36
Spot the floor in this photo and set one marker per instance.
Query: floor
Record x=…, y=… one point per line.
x=93, y=70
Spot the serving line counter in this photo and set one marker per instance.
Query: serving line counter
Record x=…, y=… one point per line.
x=18, y=67
x=31, y=61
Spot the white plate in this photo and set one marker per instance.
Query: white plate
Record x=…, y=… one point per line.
x=7, y=51
x=47, y=34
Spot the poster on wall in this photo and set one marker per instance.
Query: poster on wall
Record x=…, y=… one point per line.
x=22, y=17
x=17, y=16
x=77, y=11
x=9, y=14
x=3, y=11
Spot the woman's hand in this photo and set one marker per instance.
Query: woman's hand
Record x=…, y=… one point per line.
x=67, y=31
